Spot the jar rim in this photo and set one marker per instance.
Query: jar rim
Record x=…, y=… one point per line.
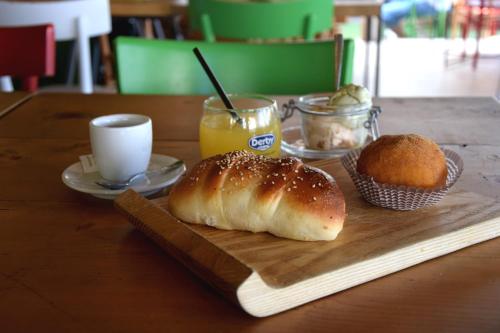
x=272, y=103
x=305, y=103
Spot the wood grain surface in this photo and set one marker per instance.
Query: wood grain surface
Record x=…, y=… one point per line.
x=8, y=101
x=286, y=273
x=465, y=120
x=369, y=232
x=70, y=262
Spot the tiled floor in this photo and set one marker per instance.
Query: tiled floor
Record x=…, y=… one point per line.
x=416, y=67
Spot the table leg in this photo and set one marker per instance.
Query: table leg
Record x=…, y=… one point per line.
x=158, y=28
x=175, y=21
x=367, y=52
x=137, y=27
x=72, y=62
x=377, y=60
x=148, y=28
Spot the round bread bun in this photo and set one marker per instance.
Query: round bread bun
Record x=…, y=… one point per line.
x=410, y=160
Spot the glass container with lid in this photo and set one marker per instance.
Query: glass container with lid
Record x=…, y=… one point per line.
x=328, y=130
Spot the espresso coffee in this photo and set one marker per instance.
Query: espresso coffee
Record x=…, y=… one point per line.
x=121, y=123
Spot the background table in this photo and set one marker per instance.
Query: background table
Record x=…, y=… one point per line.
x=69, y=262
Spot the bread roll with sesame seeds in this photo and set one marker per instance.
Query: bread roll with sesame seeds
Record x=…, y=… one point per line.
x=243, y=191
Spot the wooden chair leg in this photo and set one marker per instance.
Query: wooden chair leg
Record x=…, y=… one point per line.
x=107, y=60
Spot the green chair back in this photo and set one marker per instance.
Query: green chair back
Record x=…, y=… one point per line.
x=260, y=19
x=170, y=67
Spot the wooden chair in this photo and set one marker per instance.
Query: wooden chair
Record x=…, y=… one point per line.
x=27, y=53
x=73, y=20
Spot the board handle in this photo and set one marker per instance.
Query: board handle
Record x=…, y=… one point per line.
x=202, y=257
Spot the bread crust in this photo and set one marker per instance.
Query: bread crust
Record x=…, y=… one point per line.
x=409, y=160
x=243, y=191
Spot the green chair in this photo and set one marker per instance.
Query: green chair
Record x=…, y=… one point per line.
x=170, y=67
x=260, y=19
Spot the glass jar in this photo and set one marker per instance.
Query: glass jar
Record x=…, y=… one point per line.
x=253, y=126
x=328, y=131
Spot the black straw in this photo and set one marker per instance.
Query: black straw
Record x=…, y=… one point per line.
x=214, y=80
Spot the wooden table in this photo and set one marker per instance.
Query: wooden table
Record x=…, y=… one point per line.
x=10, y=100
x=69, y=262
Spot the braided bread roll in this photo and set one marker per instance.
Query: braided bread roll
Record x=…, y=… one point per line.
x=243, y=191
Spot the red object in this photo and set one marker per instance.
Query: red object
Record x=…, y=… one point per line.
x=477, y=13
x=28, y=52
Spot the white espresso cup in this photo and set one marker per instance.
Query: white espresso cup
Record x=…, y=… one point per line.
x=121, y=145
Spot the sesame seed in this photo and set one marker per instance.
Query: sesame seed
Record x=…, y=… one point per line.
x=314, y=185
x=314, y=198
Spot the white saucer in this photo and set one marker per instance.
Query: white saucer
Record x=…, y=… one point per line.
x=74, y=178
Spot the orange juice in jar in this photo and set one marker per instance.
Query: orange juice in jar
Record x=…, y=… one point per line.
x=257, y=130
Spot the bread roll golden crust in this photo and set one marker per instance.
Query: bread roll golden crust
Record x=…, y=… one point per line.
x=409, y=160
x=242, y=191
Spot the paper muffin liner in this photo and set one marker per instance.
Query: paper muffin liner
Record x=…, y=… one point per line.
x=401, y=197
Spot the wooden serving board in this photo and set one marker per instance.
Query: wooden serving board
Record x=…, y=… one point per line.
x=265, y=274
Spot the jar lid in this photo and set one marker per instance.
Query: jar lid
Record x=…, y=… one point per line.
x=317, y=104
